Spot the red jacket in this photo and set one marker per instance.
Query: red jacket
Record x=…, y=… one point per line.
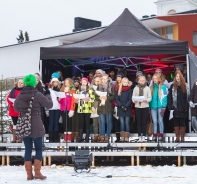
x=12, y=112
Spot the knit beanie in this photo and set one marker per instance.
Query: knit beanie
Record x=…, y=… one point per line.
x=54, y=79
x=86, y=79
x=100, y=71
x=30, y=80
x=139, y=73
x=158, y=70
x=179, y=66
x=120, y=75
x=55, y=75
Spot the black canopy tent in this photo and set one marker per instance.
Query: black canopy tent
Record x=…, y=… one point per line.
x=125, y=43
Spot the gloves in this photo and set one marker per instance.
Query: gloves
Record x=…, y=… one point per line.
x=123, y=108
x=191, y=104
x=71, y=113
x=162, y=112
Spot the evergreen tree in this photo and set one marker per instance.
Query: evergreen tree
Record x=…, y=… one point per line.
x=20, y=38
x=26, y=36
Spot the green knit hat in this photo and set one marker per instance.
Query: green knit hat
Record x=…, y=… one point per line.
x=30, y=80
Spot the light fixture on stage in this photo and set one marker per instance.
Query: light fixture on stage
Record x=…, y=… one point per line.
x=82, y=160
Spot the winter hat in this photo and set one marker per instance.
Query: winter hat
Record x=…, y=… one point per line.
x=86, y=79
x=30, y=80
x=120, y=75
x=76, y=80
x=179, y=66
x=55, y=75
x=139, y=73
x=100, y=71
x=54, y=79
x=158, y=70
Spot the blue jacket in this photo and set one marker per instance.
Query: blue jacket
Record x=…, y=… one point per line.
x=161, y=102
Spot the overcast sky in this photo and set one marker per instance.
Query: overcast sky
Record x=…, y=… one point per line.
x=44, y=18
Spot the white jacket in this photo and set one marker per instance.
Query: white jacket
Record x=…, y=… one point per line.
x=56, y=104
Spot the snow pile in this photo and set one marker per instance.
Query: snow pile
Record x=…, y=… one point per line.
x=123, y=175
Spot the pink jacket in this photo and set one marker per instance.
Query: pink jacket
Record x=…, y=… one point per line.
x=68, y=102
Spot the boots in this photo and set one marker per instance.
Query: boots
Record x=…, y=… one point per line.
x=87, y=135
x=177, y=133
x=37, y=168
x=56, y=137
x=117, y=137
x=73, y=137
x=99, y=138
x=106, y=139
x=50, y=136
x=122, y=136
x=126, y=135
x=182, y=131
x=14, y=134
x=80, y=135
x=19, y=140
x=154, y=137
x=102, y=139
x=95, y=138
x=28, y=167
x=76, y=136
x=67, y=137
x=161, y=137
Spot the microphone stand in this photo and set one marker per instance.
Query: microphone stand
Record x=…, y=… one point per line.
x=66, y=164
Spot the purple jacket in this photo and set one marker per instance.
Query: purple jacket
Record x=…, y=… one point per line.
x=21, y=105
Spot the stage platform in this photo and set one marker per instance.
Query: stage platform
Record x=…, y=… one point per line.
x=134, y=150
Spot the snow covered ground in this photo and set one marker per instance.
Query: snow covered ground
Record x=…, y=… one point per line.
x=128, y=174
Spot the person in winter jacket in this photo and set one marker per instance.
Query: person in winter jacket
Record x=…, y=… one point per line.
x=21, y=105
x=119, y=77
x=94, y=115
x=67, y=107
x=105, y=110
x=124, y=99
x=178, y=102
x=141, y=107
x=158, y=105
x=54, y=112
x=14, y=115
x=85, y=108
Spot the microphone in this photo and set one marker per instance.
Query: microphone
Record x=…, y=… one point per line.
x=159, y=81
x=108, y=80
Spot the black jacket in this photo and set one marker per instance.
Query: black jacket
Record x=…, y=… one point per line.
x=182, y=103
x=193, y=98
x=125, y=99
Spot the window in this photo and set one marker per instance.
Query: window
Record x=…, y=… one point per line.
x=195, y=38
x=157, y=31
x=169, y=32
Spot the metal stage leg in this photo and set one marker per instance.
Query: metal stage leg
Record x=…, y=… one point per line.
x=44, y=161
x=8, y=160
x=93, y=161
x=184, y=160
x=132, y=160
x=3, y=160
x=179, y=161
x=138, y=160
x=49, y=160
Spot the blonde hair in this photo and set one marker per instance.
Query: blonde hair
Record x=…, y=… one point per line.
x=58, y=86
x=70, y=83
x=142, y=77
x=121, y=84
x=152, y=86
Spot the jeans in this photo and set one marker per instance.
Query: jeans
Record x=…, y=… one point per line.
x=105, y=124
x=157, y=120
x=124, y=124
x=28, y=142
x=54, y=116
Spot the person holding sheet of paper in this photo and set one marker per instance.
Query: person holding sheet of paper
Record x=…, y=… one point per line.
x=14, y=115
x=85, y=108
x=178, y=102
x=54, y=112
x=67, y=107
x=142, y=108
x=124, y=99
x=105, y=110
x=158, y=106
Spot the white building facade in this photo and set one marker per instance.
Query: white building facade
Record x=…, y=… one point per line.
x=167, y=7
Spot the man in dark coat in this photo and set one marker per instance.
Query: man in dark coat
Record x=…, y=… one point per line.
x=21, y=105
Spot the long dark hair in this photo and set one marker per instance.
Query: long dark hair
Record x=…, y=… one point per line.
x=182, y=82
